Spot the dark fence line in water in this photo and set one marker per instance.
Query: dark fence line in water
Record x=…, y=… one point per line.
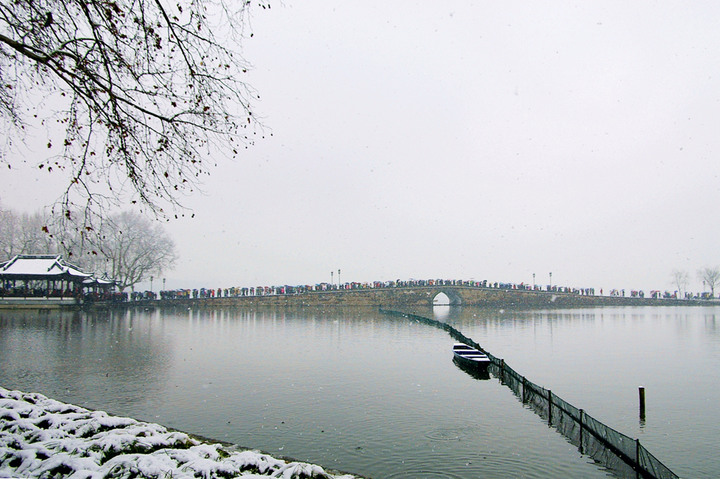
x=624, y=456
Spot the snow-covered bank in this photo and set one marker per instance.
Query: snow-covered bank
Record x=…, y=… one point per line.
x=41, y=437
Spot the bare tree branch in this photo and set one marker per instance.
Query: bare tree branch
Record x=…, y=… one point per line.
x=711, y=277
x=681, y=280
x=149, y=92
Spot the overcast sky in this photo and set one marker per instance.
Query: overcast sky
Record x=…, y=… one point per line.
x=468, y=140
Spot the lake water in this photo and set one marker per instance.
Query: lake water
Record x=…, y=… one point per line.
x=379, y=396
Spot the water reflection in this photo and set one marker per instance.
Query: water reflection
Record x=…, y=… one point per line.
x=352, y=389
x=442, y=312
x=85, y=358
x=473, y=372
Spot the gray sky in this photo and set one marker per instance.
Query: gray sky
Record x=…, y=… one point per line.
x=469, y=140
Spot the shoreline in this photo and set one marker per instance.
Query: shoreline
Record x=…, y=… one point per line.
x=400, y=297
x=43, y=437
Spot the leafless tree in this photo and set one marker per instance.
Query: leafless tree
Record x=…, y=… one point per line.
x=146, y=91
x=8, y=228
x=23, y=234
x=681, y=280
x=711, y=277
x=126, y=247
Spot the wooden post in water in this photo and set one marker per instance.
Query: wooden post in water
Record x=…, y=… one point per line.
x=581, y=432
x=641, y=396
x=549, y=407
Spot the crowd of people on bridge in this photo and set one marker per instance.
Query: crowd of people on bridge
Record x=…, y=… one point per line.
x=234, y=292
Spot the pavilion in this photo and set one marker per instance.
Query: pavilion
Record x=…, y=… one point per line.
x=46, y=278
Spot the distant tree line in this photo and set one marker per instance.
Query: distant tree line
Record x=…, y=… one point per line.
x=124, y=246
x=710, y=277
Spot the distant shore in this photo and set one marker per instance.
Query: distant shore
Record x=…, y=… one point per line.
x=505, y=296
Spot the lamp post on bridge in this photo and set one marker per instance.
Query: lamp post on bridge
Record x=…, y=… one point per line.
x=151, y=280
x=338, y=278
x=550, y=279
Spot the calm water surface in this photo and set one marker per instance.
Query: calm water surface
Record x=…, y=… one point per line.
x=379, y=396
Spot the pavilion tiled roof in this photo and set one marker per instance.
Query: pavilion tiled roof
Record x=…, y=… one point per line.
x=40, y=266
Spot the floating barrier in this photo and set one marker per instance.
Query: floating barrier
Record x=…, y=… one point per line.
x=619, y=453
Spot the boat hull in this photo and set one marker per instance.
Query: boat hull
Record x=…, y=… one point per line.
x=469, y=357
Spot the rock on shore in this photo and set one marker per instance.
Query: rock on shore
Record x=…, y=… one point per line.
x=41, y=437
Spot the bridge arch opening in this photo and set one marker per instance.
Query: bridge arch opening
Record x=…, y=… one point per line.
x=441, y=299
x=447, y=298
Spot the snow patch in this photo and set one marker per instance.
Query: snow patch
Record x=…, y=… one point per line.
x=42, y=437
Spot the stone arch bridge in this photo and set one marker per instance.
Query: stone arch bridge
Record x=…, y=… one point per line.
x=423, y=296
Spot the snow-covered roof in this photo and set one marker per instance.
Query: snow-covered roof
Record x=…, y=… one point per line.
x=37, y=266
x=98, y=281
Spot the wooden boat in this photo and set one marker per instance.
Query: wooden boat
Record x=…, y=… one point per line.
x=470, y=357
